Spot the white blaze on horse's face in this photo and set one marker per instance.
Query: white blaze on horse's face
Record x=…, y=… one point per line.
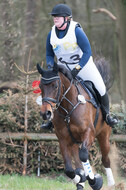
x=46, y=111
x=39, y=102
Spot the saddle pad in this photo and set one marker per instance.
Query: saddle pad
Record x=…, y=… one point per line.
x=89, y=88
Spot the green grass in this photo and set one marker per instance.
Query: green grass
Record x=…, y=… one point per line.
x=17, y=182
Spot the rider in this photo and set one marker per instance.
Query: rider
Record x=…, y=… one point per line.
x=68, y=42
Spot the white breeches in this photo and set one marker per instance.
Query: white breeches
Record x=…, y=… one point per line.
x=90, y=72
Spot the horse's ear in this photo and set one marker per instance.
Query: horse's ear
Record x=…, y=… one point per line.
x=55, y=67
x=39, y=68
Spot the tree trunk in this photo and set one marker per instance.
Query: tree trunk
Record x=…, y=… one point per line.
x=88, y=19
x=8, y=41
x=30, y=31
x=121, y=34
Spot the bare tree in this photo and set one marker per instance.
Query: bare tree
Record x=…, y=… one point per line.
x=121, y=34
x=30, y=29
x=7, y=41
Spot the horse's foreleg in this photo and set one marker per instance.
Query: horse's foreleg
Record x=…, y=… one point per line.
x=67, y=157
x=103, y=139
x=77, y=175
x=95, y=181
x=79, y=167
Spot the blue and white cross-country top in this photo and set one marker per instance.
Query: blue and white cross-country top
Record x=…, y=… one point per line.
x=69, y=47
x=66, y=49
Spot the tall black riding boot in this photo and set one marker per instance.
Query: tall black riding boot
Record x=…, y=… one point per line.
x=110, y=119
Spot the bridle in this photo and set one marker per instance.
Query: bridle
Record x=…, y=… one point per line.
x=57, y=101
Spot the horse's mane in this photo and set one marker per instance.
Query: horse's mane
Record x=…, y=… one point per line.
x=65, y=71
x=103, y=66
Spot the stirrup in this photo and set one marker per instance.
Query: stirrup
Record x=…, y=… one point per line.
x=111, y=119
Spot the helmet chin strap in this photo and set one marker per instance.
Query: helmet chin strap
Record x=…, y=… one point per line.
x=63, y=23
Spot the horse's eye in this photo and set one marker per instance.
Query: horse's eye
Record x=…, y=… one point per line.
x=55, y=86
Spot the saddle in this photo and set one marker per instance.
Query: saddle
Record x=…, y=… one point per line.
x=91, y=91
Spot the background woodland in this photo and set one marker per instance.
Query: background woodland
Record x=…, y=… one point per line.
x=24, y=26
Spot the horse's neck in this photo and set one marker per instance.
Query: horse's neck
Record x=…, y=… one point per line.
x=72, y=92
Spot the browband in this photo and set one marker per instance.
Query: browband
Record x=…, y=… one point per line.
x=49, y=80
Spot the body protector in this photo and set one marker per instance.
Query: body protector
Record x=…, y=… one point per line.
x=66, y=49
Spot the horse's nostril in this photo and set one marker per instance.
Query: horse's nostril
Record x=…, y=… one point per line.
x=48, y=114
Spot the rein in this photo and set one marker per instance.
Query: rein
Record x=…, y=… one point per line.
x=68, y=114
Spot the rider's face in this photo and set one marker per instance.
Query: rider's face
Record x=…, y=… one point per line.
x=58, y=21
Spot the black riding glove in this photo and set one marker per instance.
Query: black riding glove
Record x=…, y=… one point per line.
x=75, y=71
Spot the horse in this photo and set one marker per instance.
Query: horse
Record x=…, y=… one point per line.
x=67, y=104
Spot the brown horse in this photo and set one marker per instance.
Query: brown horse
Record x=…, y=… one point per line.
x=68, y=105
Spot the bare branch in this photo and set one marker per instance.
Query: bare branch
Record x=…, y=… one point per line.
x=23, y=71
x=10, y=144
x=103, y=10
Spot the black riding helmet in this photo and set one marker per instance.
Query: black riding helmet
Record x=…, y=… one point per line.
x=61, y=10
